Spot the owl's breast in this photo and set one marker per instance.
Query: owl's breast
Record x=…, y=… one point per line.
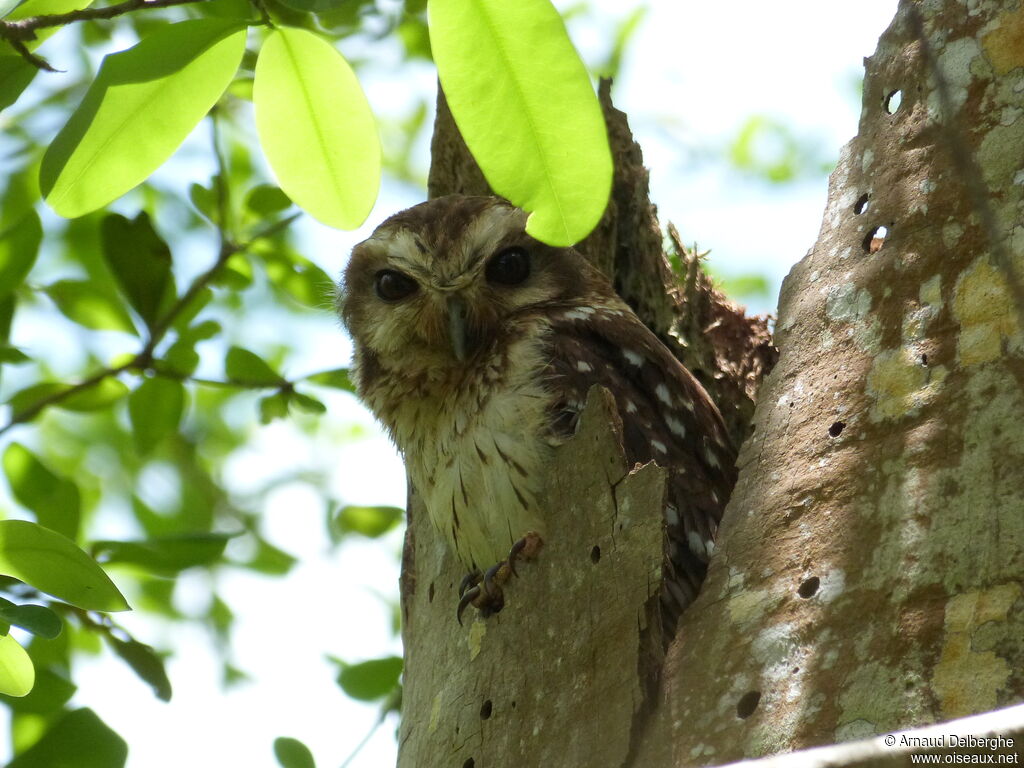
x=476, y=450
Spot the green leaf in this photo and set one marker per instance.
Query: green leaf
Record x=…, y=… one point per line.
x=19, y=246
x=337, y=378
x=165, y=555
x=17, y=675
x=37, y=619
x=246, y=367
x=370, y=680
x=53, y=564
x=292, y=753
x=316, y=128
x=54, y=500
x=49, y=695
x=269, y=559
x=308, y=404
x=266, y=199
x=13, y=356
x=88, y=305
x=205, y=201
x=523, y=102
x=15, y=75
x=141, y=263
x=368, y=521
x=145, y=662
x=274, y=406
x=300, y=278
x=138, y=110
x=97, y=397
x=78, y=740
x=155, y=409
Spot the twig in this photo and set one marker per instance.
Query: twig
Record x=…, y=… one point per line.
x=24, y=29
x=36, y=61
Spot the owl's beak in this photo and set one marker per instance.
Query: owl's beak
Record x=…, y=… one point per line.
x=457, y=326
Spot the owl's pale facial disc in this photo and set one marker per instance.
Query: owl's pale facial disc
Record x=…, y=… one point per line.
x=444, y=278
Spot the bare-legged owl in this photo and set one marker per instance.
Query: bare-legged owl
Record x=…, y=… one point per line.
x=476, y=345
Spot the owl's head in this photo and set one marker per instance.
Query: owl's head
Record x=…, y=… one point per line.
x=444, y=279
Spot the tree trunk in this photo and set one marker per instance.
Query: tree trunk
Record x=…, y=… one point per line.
x=870, y=564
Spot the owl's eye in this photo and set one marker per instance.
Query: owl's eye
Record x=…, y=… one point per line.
x=509, y=267
x=394, y=286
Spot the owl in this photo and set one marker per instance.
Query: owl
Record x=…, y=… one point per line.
x=476, y=346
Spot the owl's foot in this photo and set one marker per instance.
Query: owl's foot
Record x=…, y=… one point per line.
x=483, y=591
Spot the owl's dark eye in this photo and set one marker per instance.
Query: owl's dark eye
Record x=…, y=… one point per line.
x=509, y=267
x=394, y=286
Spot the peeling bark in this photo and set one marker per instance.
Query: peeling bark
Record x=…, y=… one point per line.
x=870, y=570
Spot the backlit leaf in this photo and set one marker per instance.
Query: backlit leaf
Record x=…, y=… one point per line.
x=17, y=675
x=316, y=127
x=86, y=304
x=80, y=734
x=53, y=564
x=138, y=110
x=368, y=521
x=370, y=680
x=54, y=500
x=337, y=378
x=246, y=367
x=18, y=248
x=155, y=409
x=94, y=398
x=523, y=102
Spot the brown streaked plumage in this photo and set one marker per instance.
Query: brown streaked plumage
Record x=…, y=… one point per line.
x=477, y=370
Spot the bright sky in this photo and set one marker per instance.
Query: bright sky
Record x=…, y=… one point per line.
x=695, y=71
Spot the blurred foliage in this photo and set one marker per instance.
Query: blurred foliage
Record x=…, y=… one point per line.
x=772, y=151
x=129, y=382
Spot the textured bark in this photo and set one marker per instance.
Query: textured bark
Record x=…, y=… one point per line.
x=556, y=675
x=870, y=564
x=869, y=575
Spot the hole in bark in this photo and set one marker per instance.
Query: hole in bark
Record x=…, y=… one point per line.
x=430, y=593
x=875, y=239
x=924, y=360
x=595, y=554
x=513, y=705
x=470, y=763
x=485, y=710
x=809, y=587
x=745, y=706
x=893, y=101
x=837, y=429
x=861, y=205
x=795, y=670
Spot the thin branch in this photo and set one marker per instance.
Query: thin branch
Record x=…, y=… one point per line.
x=36, y=61
x=24, y=29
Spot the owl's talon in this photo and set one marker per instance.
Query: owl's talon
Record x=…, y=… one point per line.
x=470, y=595
x=493, y=578
x=526, y=548
x=471, y=579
